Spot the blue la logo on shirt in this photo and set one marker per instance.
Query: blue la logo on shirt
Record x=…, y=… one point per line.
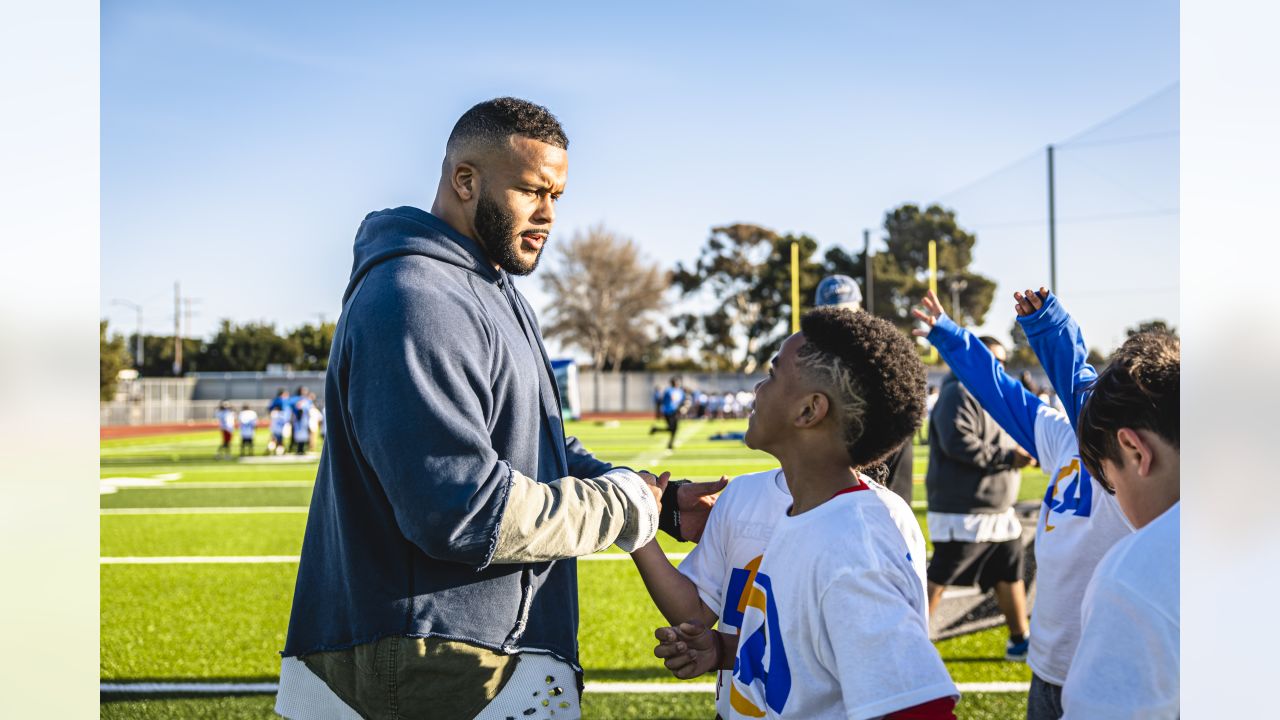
x=762, y=657
x=1076, y=496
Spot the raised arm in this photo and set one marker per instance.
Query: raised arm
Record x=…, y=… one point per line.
x=1000, y=395
x=1057, y=341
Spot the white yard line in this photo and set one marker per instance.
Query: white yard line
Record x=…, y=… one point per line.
x=205, y=510
x=199, y=560
x=269, y=559
x=208, y=485
x=591, y=687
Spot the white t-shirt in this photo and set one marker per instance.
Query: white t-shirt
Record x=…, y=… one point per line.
x=1127, y=663
x=836, y=623
x=279, y=421
x=227, y=420
x=1078, y=524
x=974, y=528
x=248, y=421
x=737, y=531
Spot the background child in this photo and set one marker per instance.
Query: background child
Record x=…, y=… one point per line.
x=248, y=421
x=1127, y=663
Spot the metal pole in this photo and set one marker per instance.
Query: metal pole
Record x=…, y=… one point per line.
x=866, y=261
x=137, y=355
x=795, y=287
x=933, y=288
x=177, y=330
x=1053, y=248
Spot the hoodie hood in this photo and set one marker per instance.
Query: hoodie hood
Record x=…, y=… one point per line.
x=387, y=234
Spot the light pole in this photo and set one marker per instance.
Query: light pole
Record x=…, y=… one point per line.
x=137, y=355
x=957, y=286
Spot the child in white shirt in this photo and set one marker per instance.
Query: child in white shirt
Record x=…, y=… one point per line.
x=1127, y=662
x=833, y=614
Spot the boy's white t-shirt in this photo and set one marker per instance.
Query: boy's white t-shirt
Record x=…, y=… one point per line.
x=1079, y=522
x=1127, y=663
x=248, y=421
x=227, y=420
x=836, y=624
x=734, y=540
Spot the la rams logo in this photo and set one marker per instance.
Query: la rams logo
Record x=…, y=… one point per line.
x=762, y=658
x=1076, y=493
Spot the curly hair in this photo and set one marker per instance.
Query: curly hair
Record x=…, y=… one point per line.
x=1140, y=390
x=874, y=375
x=493, y=121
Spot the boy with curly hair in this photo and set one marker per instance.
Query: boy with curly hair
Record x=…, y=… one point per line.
x=833, y=613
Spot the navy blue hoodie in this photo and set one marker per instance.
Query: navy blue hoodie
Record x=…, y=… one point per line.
x=438, y=387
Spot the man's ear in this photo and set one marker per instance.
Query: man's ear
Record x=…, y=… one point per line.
x=816, y=407
x=1134, y=448
x=465, y=181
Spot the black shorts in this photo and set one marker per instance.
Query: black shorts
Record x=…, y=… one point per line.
x=982, y=564
x=673, y=421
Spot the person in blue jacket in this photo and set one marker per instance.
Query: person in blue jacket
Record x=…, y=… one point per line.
x=1079, y=521
x=437, y=577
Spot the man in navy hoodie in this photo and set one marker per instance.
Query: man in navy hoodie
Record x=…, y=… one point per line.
x=436, y=577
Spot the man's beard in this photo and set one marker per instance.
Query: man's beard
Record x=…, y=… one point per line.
x=496, y=228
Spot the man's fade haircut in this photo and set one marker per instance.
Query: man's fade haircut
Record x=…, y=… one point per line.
x=491, y=122
x=875, y=376
x=1138, y=390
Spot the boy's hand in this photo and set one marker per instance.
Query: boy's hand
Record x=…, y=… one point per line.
x=689, y=650
x=1022, y=458
x=656, y=484
x=1027, y=302
x=695, y=501
x=929, y=316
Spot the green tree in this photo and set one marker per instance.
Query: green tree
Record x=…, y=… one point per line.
x=112, y=358
x=900, y=272
x=157, y=351
x=251, y=346
x=1156, y=325
x=313, y=343
x=743, y=273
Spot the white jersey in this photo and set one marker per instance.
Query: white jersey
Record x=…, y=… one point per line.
x=248, y=422
x=734, y=540
x=836, y=623
x=226, y=420
x=1079, y=522
x=279, y=421
x=1127, y=663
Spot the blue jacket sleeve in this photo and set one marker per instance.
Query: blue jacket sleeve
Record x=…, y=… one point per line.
x=582, y=464
x=1000, y=395
x=1057, y=341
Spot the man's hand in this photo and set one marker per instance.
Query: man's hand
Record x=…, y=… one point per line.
x=689, y=650
x=656, y=484
x=1027, y=302
x=695, y=500
x=929, y=317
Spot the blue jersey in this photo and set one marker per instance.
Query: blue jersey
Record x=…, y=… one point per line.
x=672, y=399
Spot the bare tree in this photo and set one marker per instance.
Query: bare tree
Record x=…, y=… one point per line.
x=604, y=296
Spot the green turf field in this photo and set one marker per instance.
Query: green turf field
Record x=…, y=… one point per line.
x=182, y=620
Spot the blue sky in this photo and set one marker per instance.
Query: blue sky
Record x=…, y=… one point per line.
x=243, y=142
